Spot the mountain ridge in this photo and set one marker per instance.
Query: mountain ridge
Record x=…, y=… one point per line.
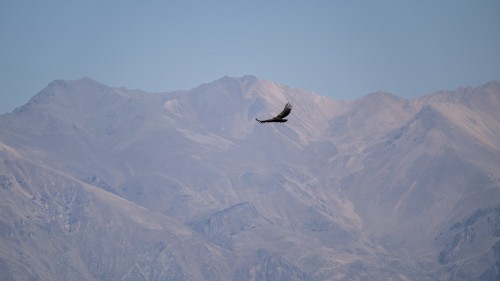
x=197, y=190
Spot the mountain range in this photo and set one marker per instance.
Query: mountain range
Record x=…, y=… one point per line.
x=104, y=183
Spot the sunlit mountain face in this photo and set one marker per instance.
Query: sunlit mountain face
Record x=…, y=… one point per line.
x=102, y=183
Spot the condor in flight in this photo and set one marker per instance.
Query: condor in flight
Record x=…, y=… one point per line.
x=280, y=117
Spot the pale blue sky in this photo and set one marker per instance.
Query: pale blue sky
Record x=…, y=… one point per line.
x=342, y=49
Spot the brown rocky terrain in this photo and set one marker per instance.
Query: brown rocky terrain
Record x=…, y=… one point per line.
x=102, y=183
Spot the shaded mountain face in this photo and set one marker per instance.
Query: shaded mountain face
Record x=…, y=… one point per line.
x=101, y=183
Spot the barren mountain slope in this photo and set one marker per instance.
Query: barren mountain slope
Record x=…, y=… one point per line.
x=127, y=185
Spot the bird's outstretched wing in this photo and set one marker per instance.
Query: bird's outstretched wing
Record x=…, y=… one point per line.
x=280, y=117
x=286, y=111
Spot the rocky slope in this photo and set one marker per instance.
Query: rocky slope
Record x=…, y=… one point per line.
x=101, y=183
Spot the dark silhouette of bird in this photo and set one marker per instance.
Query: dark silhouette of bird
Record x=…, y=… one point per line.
x=280, y=117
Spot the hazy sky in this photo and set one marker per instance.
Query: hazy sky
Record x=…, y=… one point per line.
x=343, y=49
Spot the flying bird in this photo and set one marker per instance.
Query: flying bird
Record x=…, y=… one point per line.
x=280, y=117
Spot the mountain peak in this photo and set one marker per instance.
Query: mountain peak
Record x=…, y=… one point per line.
x=418, y=127
x=82, y=82
x=320, y=194
x=454, y=96
x=382, y=96
x=495, y=84
x=61, y=89
x=233, y=83
x=243, y=79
